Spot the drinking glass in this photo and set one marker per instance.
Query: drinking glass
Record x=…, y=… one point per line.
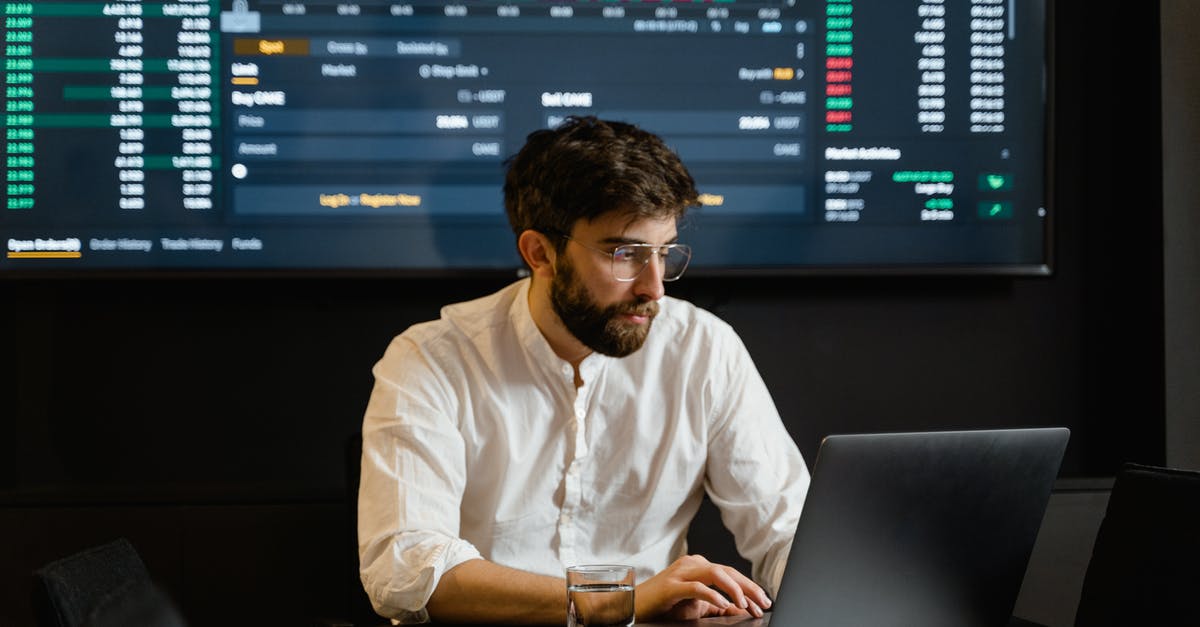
x=600, y=596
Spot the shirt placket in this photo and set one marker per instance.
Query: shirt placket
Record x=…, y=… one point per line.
x=576, y=433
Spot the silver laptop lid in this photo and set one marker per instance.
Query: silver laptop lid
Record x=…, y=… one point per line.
x=925, y=529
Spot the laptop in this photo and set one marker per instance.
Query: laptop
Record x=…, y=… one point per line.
x=918, y=529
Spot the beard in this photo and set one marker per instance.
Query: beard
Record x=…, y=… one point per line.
x=601, y=329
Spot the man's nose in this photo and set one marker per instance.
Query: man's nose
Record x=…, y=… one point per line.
x=649, y=284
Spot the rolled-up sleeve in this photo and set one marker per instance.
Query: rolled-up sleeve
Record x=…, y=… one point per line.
x=755, y=474
x=410, y=491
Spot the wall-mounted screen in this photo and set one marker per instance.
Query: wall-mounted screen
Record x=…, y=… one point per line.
x=824, y=135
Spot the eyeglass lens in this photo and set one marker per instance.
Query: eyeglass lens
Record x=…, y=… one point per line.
x=629, y=261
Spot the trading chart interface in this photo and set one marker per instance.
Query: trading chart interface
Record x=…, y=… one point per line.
x=372, y=135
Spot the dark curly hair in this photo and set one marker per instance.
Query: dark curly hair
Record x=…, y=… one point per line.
x=587, y=167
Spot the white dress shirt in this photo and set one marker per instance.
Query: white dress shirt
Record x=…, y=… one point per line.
x=476, y=443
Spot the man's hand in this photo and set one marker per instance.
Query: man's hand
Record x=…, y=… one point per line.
x=694, y=587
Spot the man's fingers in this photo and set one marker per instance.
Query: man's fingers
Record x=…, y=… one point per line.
x=739, y=588
x=699, y=591
x=729, y=586
x=753, y=590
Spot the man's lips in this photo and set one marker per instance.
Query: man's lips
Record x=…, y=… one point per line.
x=639, y=315
x=636, y=318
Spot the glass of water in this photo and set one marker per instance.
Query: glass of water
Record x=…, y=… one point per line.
x=600, y=596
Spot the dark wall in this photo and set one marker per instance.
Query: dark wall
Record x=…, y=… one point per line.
x=206, y=419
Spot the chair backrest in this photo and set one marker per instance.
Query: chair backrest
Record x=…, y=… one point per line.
x=102, y=586
x=137, y=602
x=67, y=590
x=1145, y=565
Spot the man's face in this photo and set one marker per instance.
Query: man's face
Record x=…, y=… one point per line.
x=608, y=316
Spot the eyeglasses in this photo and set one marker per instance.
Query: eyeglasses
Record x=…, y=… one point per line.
x=629, y=260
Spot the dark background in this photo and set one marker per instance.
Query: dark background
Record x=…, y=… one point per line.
x=207, y=419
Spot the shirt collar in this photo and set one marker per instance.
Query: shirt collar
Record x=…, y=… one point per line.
x=539, y=348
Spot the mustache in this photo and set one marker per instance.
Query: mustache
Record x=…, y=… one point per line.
x=648, y=308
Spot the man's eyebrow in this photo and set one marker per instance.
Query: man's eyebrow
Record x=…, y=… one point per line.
x=618, y=240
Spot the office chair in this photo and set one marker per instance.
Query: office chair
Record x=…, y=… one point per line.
x=102, y=586
x=141, y=603
x=1145, y=564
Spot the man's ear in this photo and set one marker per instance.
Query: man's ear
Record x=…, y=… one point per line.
x=538, y=252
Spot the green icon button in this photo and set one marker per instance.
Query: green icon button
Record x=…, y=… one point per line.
x=995, y=182
x=989, y=210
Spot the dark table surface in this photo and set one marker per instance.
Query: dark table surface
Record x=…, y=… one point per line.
x=764, y=621
x=740, y=621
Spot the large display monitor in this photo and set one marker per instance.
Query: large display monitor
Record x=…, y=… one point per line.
x=825, y=135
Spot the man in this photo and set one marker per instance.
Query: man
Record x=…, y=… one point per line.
x=576, y=416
